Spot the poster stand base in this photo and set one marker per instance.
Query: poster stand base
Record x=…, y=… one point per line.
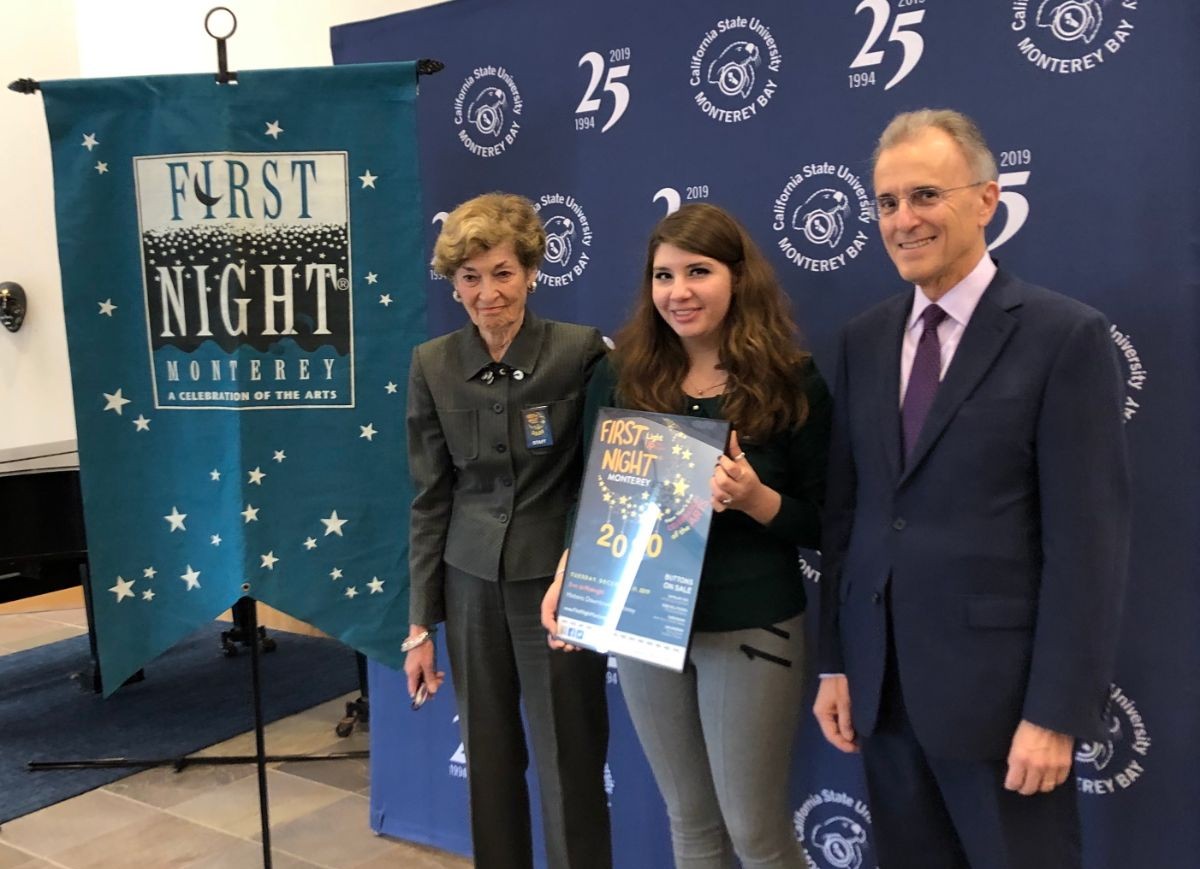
x=260, y=757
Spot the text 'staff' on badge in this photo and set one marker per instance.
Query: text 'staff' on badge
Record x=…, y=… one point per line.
x=246, y=265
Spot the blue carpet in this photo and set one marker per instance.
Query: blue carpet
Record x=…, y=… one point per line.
x=192, y=697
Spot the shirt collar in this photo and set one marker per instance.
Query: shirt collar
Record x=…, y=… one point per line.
x=521, y=355
x=960, y=300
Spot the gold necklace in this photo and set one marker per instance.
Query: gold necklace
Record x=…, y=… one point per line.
x=699, y=392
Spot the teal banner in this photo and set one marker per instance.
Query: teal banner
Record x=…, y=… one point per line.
x=243, y=285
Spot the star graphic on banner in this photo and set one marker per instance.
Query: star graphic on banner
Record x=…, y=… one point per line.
x=256, y=476
x=372, y=278
x=352, y=592
x=368, y=180
x=280, y=455
x=176, y=519
x=142, y=423
x=148, y=594
x=214, y=474
x=268, y=560
x=101, y=167
x=107, y=307
x=391, y=388
x=250, y=514
x=123, y=588
x=216, y=539
x=192, y=578
x=676, y=449
x=335, y=574
x=385, y=299
x=368, y=431
x=687, y=455
x=310, y=543
x=681, y=488
x=376, y=585
x=273, y=130
x=333, y=525
x=89, y=141
x=149, y=573
x=115, y=401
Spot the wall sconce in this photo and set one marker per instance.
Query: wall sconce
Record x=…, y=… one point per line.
x=12, y=306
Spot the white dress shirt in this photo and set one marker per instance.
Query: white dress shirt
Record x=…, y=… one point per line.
x=959, y=304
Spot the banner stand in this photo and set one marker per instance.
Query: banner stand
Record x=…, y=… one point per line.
x=260, y=756
x=260, y=751
x=250, y=630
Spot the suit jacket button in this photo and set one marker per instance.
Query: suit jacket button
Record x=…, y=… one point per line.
x=501, y=448
x=503, y=517
x=506, y=482
x=498, y=407
x=876, y=597
x=899, y=524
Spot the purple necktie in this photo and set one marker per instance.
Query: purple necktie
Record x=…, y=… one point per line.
x=923, y=380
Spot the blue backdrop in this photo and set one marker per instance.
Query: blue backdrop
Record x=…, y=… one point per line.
x=609, y=114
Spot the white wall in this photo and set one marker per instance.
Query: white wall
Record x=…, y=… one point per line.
x=169, y=36
x=36, y=41
x=47, y=39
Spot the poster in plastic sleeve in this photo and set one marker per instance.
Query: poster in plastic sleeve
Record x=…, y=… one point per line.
x=638, y=547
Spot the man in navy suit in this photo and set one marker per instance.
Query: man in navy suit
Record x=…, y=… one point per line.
x=976, y=530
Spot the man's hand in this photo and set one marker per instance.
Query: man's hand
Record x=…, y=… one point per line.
x=1039, y=759
x=832, y=709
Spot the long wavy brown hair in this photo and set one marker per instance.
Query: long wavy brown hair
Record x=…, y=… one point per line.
x=764, y=393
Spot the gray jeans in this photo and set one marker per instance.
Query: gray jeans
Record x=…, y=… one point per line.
x=719, y=739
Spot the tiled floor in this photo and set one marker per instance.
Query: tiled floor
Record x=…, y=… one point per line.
x=207, y=817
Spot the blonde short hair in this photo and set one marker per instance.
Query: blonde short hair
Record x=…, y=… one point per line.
x=964, y=131
x=485, y=222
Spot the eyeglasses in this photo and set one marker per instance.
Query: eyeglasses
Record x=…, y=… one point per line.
x=918, y=198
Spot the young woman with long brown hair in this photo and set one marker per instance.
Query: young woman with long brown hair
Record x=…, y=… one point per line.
x=711, y=336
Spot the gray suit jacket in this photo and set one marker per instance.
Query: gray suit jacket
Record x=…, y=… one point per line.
x=485, y=502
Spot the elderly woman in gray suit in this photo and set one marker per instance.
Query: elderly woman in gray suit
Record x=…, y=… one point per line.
x=494, y=449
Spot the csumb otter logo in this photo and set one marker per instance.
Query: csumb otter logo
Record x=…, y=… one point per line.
x=822, y=214
x=833, y=829
x=733, y=67
x=1070, y=36
x=568, y=239
x=1135, y=372
x=487, y=111
x=1115, y=762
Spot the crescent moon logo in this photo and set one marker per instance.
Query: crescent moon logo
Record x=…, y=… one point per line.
x=204, y=198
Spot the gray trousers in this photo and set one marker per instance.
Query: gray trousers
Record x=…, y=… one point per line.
x=719, y=739
x=500, y=660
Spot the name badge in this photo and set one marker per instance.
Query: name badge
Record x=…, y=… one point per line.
x=537, y=427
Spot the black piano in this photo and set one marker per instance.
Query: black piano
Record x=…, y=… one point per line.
x=42, y=541
x=43, y=546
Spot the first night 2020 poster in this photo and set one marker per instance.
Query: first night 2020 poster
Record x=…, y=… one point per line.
x=640, y=533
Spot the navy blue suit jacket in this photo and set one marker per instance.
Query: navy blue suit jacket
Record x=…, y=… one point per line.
x=1005, y=535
